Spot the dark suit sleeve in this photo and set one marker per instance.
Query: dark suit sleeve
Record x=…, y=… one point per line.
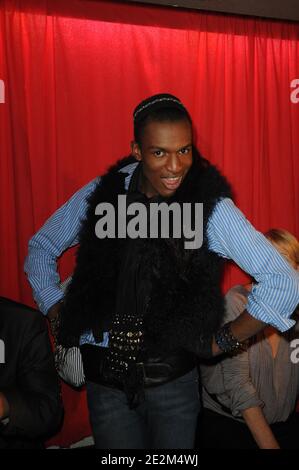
x=34, y=402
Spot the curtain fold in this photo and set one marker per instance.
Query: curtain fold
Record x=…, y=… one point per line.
x=73, y=72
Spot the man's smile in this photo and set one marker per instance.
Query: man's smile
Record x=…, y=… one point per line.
x=172, y=182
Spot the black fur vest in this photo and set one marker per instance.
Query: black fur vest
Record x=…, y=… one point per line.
x=186, y=304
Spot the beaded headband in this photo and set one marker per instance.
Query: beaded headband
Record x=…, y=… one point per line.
x=175, y=102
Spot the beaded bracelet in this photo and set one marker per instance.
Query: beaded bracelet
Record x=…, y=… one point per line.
x=226, y=341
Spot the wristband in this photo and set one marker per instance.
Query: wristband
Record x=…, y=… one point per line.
x=226, y=341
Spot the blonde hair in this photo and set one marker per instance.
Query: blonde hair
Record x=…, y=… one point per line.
x=286, y=243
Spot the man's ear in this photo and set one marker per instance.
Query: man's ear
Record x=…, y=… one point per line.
x=136, y=152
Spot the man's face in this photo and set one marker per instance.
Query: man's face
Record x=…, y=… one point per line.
x=166, y=155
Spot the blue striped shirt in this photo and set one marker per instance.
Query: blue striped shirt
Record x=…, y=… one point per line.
x=229, y=233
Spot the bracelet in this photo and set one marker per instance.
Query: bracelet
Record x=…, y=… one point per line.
x=226, y=341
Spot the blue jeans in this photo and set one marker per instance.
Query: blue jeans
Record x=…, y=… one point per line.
x=165, y=419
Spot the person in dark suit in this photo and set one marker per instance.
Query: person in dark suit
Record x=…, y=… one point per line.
x=30, y=403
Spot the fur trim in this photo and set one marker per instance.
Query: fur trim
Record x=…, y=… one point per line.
x=191, y=307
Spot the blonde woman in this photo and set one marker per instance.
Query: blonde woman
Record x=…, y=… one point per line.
x=250, y=398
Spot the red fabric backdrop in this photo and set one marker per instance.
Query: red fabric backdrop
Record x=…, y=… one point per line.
x=73, y=72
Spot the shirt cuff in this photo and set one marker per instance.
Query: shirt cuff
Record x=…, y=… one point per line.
x=48, y=297
x=264, y=313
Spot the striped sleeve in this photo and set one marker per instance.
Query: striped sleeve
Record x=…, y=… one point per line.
x=58, y=233
x=275, y=297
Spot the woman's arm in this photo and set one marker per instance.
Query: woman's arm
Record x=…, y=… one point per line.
x=259, y=428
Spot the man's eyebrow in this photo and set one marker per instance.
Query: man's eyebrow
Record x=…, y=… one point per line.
x=185, y=146
x=156, y=147
x=152, y=147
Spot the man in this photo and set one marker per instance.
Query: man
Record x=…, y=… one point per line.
x=30, y=405
x=142, y=310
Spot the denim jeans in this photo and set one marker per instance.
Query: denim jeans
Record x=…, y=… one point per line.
x=165, y=419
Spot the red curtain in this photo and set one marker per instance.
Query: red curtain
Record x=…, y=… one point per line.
x=71, y=73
